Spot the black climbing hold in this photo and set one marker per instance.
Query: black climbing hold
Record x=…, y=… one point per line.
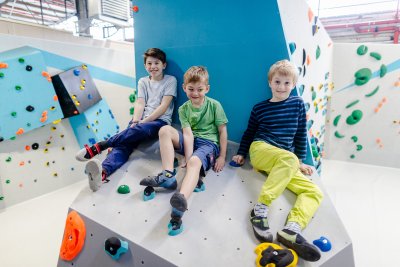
x=30, y=108
x=28, y=68
x=1, y=139
x=35, y=146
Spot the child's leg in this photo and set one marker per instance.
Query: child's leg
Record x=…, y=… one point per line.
x=191, y=177
x=169, y=139
x=115, y=159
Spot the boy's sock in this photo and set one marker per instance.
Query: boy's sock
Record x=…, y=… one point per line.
x=299, y=244
x=293, y=226
x=87, y=152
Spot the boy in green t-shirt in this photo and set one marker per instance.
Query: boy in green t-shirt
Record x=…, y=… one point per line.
x=203, y=141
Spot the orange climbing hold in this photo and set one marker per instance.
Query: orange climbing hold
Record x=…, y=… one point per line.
x=21, y=163
x=27, y=148
x=74, y=236
x=3, y=65
x=20, y=131
x=310, y=15
x=308, y=60
x=55, y=98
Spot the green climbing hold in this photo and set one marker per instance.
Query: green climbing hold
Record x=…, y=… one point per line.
x=8, y=181
x=375, y=55
x=8, y=159
x=318, y=52
x=132, y=98
x=362, y=76
x=359, y=147
x=355, y=117
x=362, y=50
x=18, y=87
x=352, y=156
x=383, y=70
x=336, y=120
x=352, y=104
x=123, y=189
x=1, y=197
x=1, y=75
x=315, y=151
x=354, y=138
x=338, y=135
x=21, y=60
x=14, y=114
x=131, y=110
x=13, y=137
x=373, y=92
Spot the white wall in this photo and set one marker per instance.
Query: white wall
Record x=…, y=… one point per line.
x=35, y=172
x=378, y=132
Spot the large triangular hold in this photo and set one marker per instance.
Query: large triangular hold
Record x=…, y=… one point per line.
x=76, y=90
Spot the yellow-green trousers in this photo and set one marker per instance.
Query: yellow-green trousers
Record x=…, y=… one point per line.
x=283, y=171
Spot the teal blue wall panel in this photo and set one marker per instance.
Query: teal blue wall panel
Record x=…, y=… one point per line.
x=237, y=41
x=96, y=124
x=27, y=97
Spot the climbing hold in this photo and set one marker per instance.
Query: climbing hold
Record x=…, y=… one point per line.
x=362, y=50
x=21, y=60
x=115, y=247
x=35, y=146
x=355, y=117
x=309, y=124
x=83, y=81
x=135, y=9
x=52, y=108
x=132, y=98
x=315, y=29
x=1, y=139
x=375, y=55
x=338, y=135
x=292, y=48
x=14, y=114
x=30, y=108
x=373, y=92
x=84, y=66
x=271, y=254
x=8, y=181
x=20, y=131
x=76, y=72
x=359, y=147
x=74, y=236
x=27, y=148
x=308, y=60
x=383, y=70
x=323, y=244
x=336, y=120
x=362, y=76
x=90, y=96
x=354, y=138
x=18, y=87
x=307, y=106
x=3, y=65
x=29, y=68
x=123, y=189
x=55, y=98
x=1, y=75
x=352, y=103
x=234, y=164
x=82, y=87
x=131, y=110
x=352, y=156
x=301, y=89
x=313, y=94
x=304, y=57
x=8, y=159
x=318, y=52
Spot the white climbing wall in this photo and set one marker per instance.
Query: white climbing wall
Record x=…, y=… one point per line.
x=378, y=131
x=217, y=231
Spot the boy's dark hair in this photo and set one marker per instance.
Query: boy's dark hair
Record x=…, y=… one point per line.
x=156, y=53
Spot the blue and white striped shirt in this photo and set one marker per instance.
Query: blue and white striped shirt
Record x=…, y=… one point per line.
x=281, y=124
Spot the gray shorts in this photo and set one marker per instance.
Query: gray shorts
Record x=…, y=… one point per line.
x=206, y=150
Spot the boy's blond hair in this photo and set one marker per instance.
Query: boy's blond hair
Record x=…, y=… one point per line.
x=285, y=68
x=195, y=74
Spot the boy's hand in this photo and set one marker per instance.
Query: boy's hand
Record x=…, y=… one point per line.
x=219, y=164
x=239, y=159
x=133, y=124
x=306, y=169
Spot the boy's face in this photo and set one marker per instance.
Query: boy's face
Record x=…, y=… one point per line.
x=196, y=92
x=155, y=68
x=281, y=86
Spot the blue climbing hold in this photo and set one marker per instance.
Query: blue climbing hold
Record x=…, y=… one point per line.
x=234, y=164
x=292, y=48
x=77, y=72
x=115, y=247
x=323, y=244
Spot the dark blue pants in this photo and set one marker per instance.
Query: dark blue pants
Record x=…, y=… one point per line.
x=126, y=141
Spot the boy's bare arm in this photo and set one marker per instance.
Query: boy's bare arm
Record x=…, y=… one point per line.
x=138, y=112
x=188, y=142
x=165, y=102
x=223, y=142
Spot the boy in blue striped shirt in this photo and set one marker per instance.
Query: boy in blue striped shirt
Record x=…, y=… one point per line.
x=276, y=139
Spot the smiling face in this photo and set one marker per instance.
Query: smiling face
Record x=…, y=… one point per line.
x=155, y=68
x=281, y=86
x=196, y=92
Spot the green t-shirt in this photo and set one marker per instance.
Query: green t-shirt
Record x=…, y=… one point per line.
x=203, y=121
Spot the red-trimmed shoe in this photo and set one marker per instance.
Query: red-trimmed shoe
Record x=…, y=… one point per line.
x=87, y=152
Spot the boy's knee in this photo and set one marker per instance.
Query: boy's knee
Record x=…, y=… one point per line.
x=193, y=162
x=319, y=195
x=164, y=131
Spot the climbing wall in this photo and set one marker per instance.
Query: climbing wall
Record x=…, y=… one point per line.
x=217, y=230
x=311, y=50
x=364, y=118
x=43, y=160
x=28, y=100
